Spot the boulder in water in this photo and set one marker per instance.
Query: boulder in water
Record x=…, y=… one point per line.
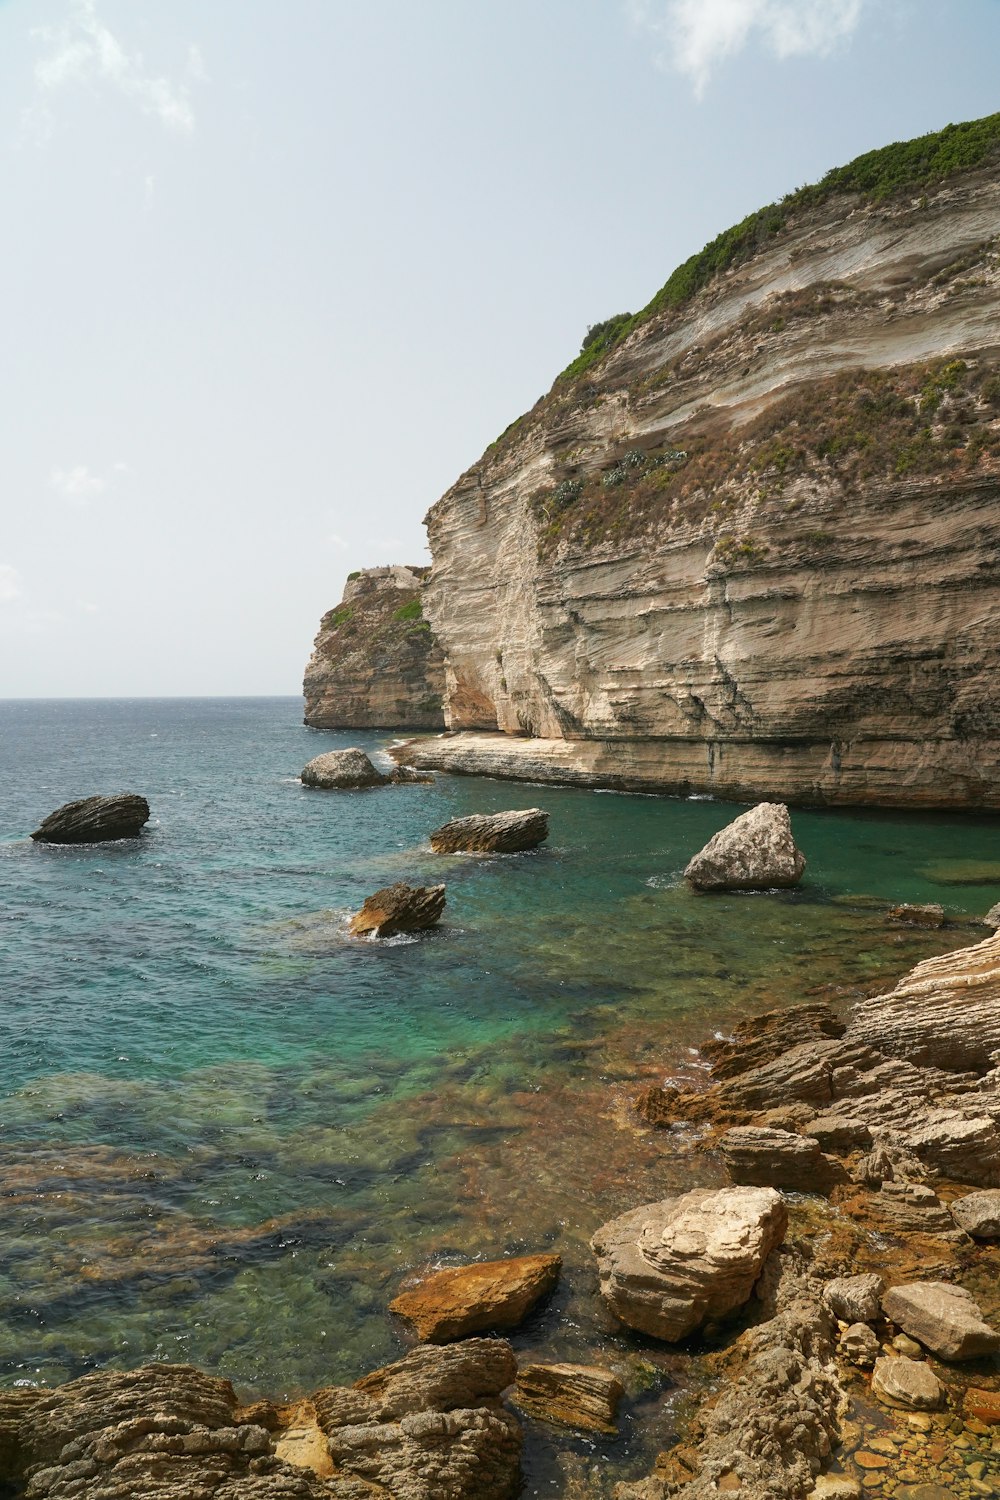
x=496, y=833
x=95, y=820
x=581, y=1396
x=756, y=852
x=342, y=770
x=399, y=908
x=461, y=1300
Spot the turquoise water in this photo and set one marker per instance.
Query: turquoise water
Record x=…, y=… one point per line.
x=228, y=1132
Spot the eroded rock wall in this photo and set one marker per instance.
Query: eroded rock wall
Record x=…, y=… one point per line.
x=376, y=663
x=811, y=613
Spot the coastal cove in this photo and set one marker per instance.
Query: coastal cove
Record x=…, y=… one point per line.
x=229, y=1133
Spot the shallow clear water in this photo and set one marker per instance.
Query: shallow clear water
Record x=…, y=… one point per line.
x=192, y=1048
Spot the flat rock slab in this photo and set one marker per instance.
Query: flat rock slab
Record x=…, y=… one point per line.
x=460, y=1300
x=979, y=1214
x=399, y=908
x=581, y=1396
x=496, y=833
x=342, y=770
x=944, y=1318
x=95, y=820
x=907, y=1384
x=667, y=1267
x=756, y=852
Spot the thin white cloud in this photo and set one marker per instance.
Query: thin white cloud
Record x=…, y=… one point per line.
x=84, y=50
x=10, y=584
x=694, y=36
x=77, y=485
x=337, y=541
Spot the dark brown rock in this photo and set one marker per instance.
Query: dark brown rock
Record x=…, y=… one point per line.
x=399, y=908
x=492, y=833
x=460, y=1300
x=580, y=1396
x=95, y=820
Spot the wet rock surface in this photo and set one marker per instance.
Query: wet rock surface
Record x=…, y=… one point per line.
x=95, y=820
x=399, y=908
x=667, y=1267
x=492, y=833
x=342, y=770
x=753, y=853
x=460, y=1300
x=580, y=1396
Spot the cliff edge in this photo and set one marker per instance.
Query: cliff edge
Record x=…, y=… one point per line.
x=749, y=543
x=375, y=662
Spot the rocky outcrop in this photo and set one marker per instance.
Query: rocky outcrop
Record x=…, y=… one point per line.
x=460, y=1300
x=376, y=663
x=945, y=1319
x=492, y=833
x=430, y=1426
x=95, y=820
x=579, y=1396
x=666, y=1268
x=399, y=908
x=342, y=769
x=755, y=852
x=855, y=1299
x=945, y=1012
x=752, y=550
x=762, y=1156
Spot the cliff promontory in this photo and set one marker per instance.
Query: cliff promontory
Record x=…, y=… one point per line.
x=749, y=543
x=375, y=662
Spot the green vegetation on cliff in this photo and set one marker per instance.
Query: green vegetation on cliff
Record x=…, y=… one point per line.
x=905, y=166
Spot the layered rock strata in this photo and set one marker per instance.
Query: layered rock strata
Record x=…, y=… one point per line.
x=95, y=820
x=399, y=908
x=460, y=1300
x=755, y=548
x=492, y=833
x=376, y=663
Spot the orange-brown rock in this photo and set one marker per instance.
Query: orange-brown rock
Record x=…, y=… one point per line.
x=983, y=1405
x=399, y=908
x=580, y=1396
x=460, y=1300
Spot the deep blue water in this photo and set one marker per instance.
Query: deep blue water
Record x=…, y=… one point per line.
x=193, y=1047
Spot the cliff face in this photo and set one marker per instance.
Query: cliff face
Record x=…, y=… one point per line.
x=375, y=661
x=755, y=548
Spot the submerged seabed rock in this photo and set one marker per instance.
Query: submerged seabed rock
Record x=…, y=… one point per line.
x=399, y=908
x=95, y=820
x=753, y=853
x=497, y=833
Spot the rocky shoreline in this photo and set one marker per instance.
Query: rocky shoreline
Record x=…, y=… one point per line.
x=842, y=1362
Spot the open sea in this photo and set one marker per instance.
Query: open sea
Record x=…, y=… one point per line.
x=228, y=1132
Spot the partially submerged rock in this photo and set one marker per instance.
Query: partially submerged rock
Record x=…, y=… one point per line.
x=979, y=1214
x=460, y=1300
x=399, y=908
x=928, y=914
x=580, y=1396
x=666, y=1268
x=95, y=820
x=430, y=1426
x=907, y=1384
x=755, y=852
x=342, y=770
x=492, y=833
x=944, y=1318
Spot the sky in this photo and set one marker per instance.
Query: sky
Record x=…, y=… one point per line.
x=276, y=274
